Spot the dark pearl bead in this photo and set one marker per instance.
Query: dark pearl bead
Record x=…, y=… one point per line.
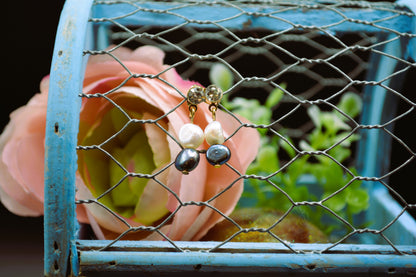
x=218, y=154
x=187, y=160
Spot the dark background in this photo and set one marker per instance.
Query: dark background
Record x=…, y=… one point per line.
x=27, y=48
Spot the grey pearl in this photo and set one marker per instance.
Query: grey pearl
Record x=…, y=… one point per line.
x=218, y=154
x=187, y=160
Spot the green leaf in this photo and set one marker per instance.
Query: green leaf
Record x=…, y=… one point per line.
x=287, y=147
x=319, y=140
x=333, y=123
x=122, y=195
x=152, y=204
x=305, y=146
x=349, y=138
x=252, y=110
x=339, y=153
x=330, y=128
x=357, y=200
x=350, y=104
x=94, y=170
x=334, y=175
x=301, y=193
x=274, y=98
x=335, y=203
x=119, y=120
x=295, y=170
x=267, y=159
x=221, y=76
x=315, y=114
x=93, y=165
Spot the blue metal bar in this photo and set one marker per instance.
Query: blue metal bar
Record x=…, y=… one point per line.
x=248, y=17
x=240, y=260
x=61, y=139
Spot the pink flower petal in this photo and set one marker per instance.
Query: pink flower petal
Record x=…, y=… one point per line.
x=22, y=159
x=122, y=53
x=44, y=85
x=15, y=199
x=149, y=55
x=245, y=137
x=21, y=148
x=29, y=162
x=191, y=189
x=16, y=207
x=174, y=78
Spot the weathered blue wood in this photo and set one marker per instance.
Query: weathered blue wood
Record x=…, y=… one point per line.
x=242, y=247
x=240, y=261
x=140, y=262
x=196, y=15
x=61, y=139
x=375, y=147
x=403, y=231
x=244, y=258
x=374, y=152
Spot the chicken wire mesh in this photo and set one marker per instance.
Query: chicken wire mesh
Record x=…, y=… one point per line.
x=315, y=68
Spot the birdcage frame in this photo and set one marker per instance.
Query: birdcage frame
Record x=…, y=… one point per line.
x=66, y=255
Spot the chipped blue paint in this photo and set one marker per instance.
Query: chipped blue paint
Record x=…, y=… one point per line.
x=254, y=16
x=243, y=258
x=61, y=138
x=142, y=262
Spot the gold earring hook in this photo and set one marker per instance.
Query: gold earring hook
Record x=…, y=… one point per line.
x=192, y=111
x=213, y=109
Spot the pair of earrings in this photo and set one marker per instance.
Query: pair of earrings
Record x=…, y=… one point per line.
x=191, y=135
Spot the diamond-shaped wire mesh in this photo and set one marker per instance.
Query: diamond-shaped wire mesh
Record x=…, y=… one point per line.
x=313, y=65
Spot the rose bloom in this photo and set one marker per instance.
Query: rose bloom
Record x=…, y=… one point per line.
x=139, y=148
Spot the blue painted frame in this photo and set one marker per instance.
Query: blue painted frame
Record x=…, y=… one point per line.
x=244, y=258
x=61, y=139
x=148, y=14
x=65, y=255
x=375, y=145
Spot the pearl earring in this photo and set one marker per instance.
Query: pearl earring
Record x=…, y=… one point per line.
x=190, y=135
x=217, y=154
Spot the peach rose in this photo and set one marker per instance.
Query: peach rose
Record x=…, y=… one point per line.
x=131, y=129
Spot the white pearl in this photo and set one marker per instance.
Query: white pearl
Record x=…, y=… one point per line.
x=191, y=136
x=213, y=133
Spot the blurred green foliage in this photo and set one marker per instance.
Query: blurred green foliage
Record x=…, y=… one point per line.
x=302, y=177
